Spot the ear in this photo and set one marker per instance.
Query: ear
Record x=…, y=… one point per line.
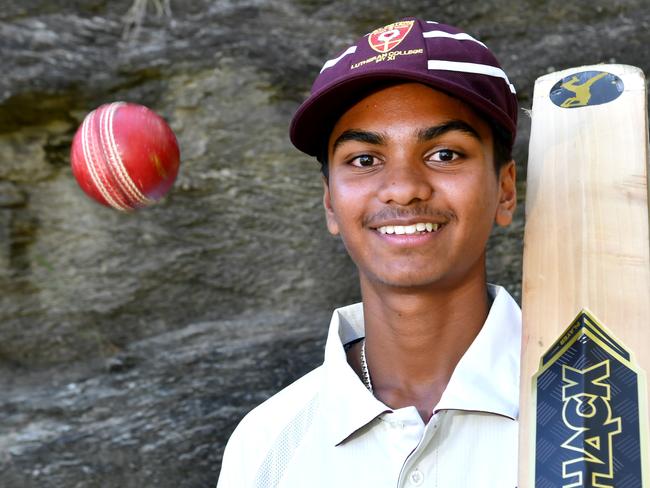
x=507, y=194
x=332, y=225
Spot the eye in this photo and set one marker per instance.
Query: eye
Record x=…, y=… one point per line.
x=444, y=156
x=364, y=161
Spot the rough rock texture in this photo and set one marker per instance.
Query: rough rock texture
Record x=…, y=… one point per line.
x=130, y=345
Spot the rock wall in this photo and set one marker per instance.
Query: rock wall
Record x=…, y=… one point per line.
x=131, y=344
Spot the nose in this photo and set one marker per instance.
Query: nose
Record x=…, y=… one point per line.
x=405, y=183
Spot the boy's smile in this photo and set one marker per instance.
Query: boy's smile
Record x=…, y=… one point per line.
x=412, y=187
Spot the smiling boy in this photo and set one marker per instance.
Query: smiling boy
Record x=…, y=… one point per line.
x=413, y=126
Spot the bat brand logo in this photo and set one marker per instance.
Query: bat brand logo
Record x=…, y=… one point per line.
x=589, y=409
x=585, y=89
x=587, y=412
x=389, y=37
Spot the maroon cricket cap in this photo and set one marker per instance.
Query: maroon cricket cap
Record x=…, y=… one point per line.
x=434, y=54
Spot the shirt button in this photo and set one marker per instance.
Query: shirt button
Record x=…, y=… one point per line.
x=416, y=477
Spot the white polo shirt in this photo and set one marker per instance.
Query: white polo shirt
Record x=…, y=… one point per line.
x=327, y=430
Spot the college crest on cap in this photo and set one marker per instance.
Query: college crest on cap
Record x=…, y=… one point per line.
x=388, y=37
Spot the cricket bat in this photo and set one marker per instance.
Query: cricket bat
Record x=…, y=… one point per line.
x=586, y=283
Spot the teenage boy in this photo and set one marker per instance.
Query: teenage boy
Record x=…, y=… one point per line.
x=413, y=126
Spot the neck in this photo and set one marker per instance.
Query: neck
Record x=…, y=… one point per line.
x=414, y=340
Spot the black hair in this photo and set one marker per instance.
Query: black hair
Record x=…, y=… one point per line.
x=323, y=158
x=501, y=149
x=501, y=145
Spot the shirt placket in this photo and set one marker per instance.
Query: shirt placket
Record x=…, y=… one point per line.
x=411, y=475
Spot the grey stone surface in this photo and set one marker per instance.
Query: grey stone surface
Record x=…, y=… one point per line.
x=154, y=414
x=130, y=345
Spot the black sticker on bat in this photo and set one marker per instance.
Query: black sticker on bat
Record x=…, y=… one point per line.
x=589, y=411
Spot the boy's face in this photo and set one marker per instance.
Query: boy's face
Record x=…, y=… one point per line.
x=409, y=155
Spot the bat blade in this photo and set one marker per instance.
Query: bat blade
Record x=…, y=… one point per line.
x=586, y=283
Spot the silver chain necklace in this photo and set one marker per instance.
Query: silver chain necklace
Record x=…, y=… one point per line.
x=364, y=367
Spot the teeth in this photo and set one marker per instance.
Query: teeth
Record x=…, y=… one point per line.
x=409, y=229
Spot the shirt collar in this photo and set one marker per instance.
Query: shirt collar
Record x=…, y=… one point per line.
x=486, y=378
x=348, y=402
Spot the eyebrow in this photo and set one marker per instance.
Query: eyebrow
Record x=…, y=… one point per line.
x=423, y=135
x=360, y=136
x=449, y=126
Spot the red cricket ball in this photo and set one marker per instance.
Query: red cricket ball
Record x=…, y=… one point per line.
x=125, y=156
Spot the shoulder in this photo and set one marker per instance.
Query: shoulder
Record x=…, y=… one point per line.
x=282, y=407
x=259, y=433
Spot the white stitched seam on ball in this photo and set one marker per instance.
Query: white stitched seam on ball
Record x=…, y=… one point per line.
x=104, y=170
x=91, y=161
x=127, y=185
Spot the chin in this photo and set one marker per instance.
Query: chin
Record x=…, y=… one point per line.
x=407, y=281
